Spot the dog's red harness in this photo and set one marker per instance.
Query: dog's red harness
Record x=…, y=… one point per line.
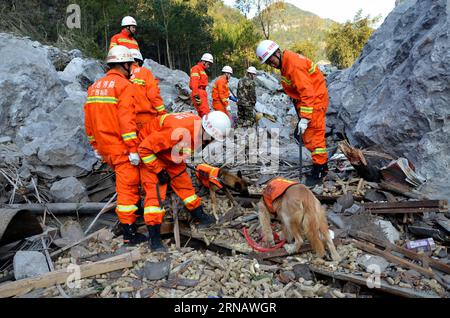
x=276, y=188
x=207, y=174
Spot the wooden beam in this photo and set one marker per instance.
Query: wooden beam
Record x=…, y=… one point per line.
x=410, y=254
x=60, y=276
x=394, y=290
x=58, y=208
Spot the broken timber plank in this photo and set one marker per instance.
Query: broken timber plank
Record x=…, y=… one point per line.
x=410, y=254
x=408, y=206
x=58, y=208
x=60, y=276
x=394, y=290
x=392, y=258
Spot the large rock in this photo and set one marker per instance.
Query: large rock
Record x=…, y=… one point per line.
x=29, y=264
x=397, y=94
x=28, y=82
x=69, y=190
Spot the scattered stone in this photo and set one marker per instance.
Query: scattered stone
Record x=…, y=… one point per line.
x=29, y=264
x=156, y=270
x=372, y=263
x=5, y=139
x=69, y=190
x=302, y=271
x=391, y=233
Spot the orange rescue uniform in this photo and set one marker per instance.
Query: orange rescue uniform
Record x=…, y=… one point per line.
x=111, y=130
x=198, y=82
x=303, y=81
x=148, y=101
x=208, y=175
x=124, y=38
x=167, y=142
x=276, y=188
x=220, y=94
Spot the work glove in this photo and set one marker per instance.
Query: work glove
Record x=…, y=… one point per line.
x=97, y=155
x=302, y=125
x=234, y=99
x=134, y=159
x=197, y=99
x=163, y=177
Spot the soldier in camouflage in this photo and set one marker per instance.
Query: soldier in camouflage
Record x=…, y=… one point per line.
x=246, y=95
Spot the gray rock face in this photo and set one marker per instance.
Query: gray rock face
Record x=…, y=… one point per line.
x=28, y=82
x=29, y=264
x=42, y=110
x=397, y=94
x=69, y=190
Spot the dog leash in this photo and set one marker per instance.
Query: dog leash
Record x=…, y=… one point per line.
x=258, y=247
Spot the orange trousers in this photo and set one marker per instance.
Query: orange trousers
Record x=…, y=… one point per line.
x=203, y=108
x=181, y=183
x=314, y=136
x=127, y=187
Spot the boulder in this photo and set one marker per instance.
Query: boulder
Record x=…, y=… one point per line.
x=397, y=93
x=29, y=264
x=69, y=190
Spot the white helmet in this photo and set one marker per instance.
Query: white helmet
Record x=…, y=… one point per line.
x=265, y=50
x=119, y=54
x=227, y=69
x=126, y=21
x=216, y=124
x=207, y=57
x=136, y=54
x=251, y=70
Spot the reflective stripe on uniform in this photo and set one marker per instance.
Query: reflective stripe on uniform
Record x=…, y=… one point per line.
x=160, y=108
x=153, y=210
x=127, y=41
x=319, y=150
x=149, y=159
x=138, y=81
x=91, y=138
x=195, y=74
x=190, y=199
x=186, y=151
x=306, y=109
x=224, y=99
x=286, y=81
x=161, y=121
x=102, y=99
x=129, y=136
x=126, y=208
x=202, y=72
x=312, y=69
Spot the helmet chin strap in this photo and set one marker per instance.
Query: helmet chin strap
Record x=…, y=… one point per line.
x=128, y=69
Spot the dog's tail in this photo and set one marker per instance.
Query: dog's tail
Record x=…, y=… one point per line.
x=312, y=227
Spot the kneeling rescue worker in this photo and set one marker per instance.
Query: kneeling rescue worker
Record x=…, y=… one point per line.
x=166, y=143
x=111, y=130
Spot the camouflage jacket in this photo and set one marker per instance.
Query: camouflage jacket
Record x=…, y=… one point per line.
x=246, y=91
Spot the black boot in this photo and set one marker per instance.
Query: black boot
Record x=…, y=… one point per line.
x=317, y=174
x=201, y=219
x=131, y=236
x=154, y=240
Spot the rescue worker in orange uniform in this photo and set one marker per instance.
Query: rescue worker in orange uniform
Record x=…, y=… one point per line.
x=198, y=82
x=303, y=81
x=111, y=130
x=167, y=142
x=275, y=188
x=221, y=92
x=126, y=36
x=148, y=101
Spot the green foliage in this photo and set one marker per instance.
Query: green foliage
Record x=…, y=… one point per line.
x=307, y=48
x=346, y=41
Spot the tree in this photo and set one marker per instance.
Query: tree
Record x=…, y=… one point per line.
x=346, y=41
x=307, y=48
